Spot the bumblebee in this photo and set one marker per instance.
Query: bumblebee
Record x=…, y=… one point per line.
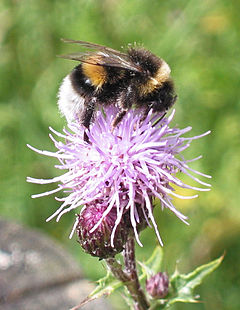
x=105, y=76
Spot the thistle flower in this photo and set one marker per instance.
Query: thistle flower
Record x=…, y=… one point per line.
x=125, y=168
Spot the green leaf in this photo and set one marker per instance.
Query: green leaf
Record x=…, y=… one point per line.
x=153, y=264
x=106, y=286
x=183, y=285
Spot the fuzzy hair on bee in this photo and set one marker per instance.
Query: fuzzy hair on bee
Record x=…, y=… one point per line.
x=104, y=76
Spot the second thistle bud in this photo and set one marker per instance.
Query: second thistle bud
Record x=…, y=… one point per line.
x=98, y=242
x=157, y=285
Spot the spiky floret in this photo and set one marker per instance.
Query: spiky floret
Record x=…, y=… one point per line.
x=125, y=169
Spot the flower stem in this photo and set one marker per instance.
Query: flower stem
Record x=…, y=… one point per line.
x=131, y=269
x=129, y=259
x=129, y=277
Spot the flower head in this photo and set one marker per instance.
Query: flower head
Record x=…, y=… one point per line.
x=125, y=168
x=97, y=243
x=157, y=285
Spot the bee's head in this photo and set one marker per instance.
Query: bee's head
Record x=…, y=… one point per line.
x=162, y=98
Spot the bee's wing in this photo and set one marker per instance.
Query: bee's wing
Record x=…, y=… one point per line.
x=93, y=46
x=104, y=56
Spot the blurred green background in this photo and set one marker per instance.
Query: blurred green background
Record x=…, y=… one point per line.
x=200, y=41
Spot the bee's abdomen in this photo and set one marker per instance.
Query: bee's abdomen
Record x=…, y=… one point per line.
x=80, y=83
x=110, y=93
x=70, y=103
x=96, y=74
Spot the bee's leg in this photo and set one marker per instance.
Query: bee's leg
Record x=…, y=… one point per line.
x=88, y=112
x=145, y=114
x=87, y=115
x=119, y=117
x=126, y=101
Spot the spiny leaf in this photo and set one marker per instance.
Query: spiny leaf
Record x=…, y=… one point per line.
x=153, y=264
x=106, y=286
x=183, y=284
